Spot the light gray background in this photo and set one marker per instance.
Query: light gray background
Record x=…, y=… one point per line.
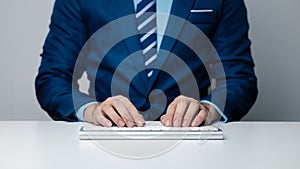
x=275, y=33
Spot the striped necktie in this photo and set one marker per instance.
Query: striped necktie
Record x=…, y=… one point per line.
x=146, y=23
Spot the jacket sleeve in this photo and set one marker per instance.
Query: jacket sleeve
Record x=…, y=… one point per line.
x=65, y=39
x=233, y=46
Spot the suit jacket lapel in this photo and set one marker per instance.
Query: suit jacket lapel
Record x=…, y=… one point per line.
x=124, y=8
x=180, y=8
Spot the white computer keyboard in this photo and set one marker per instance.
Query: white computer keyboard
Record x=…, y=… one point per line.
x=153, y=130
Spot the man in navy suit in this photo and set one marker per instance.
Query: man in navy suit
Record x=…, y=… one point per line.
x=74, y=22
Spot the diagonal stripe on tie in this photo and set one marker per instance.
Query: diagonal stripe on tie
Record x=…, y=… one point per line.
x=144, y=9
x=150, y=60
x=152, y=17
x=148, y=34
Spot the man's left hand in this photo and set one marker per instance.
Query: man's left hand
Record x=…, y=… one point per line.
x=185, y=111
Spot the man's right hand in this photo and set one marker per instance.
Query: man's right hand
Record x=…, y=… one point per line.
x=117, y=109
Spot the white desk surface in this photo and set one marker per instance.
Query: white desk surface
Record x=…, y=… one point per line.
x=247, y=145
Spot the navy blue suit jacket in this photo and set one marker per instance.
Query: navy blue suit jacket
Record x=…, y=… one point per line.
x=73, y=22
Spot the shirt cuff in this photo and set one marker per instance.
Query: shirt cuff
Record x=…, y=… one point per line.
x=217, y=108
x=80, y=112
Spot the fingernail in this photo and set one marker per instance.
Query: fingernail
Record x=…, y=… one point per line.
x=162, y=120
x=176, y=123
x=130, y=124
x=121, y=123
x=194, y=124
x=185, y=123
x=168, y=123
x=108, y=123
x=140, y=123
